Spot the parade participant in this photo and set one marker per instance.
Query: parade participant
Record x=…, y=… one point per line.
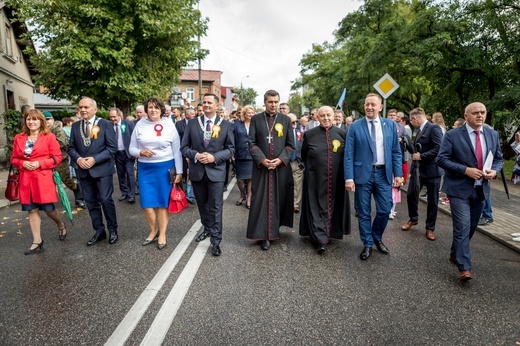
x=139, y=113
x=326, y=205
x=271, y=145
x=297, y=163
x=156, y=144
x=92, y=146
x=338, y=119
x=208, y=143
x=243, y=159
x=181, y=128
x=124, y=161
x=372, y=167
x=462, y=155
x=284, y=108
x=313, y=121
x=35, y=153
x=430, y=139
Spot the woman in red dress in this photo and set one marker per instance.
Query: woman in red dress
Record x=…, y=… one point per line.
x=35, y=153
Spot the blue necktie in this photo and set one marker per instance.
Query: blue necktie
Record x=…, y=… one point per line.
x=374, y=142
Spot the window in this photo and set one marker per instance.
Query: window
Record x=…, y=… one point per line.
x=8, y=41
x=190, y=94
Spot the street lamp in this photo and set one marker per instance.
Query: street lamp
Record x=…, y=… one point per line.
x=241, y=79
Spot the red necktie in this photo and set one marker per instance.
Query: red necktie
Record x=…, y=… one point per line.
x=478, y=150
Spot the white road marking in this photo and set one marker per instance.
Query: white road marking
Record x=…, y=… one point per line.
x=136, y=312
x=164, y=318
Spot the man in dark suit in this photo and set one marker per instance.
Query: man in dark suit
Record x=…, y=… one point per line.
x=339, y=116
x=208, y=143
x=430, y=139
x=297, y=163
x=463, y=153
x=124, y=161
x=372, y=167
x=92, y=146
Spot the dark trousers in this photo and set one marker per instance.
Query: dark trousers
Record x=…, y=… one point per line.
x=378, y=187
x=209, y=196
x=432, y=187
x=465, y=213
x=98, y=195
x=125, y=174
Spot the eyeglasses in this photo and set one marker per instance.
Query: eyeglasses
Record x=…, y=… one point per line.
x=294, y=122
x=313, y=113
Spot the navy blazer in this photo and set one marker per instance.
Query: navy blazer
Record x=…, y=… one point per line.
x=358, y=152
x=241, y=142
x=222, y=148
x=102, y=149
x=457, y=154
x=430, y=139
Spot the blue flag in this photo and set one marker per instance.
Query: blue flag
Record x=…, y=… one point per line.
x=342, y=99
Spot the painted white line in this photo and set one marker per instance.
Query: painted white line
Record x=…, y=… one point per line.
x=136, y=312
x=164, y=318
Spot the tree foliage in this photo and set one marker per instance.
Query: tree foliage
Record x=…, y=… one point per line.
x=246, y=96
x=443, y=54
x=118, y=52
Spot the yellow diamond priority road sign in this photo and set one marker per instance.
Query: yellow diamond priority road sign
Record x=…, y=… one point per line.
x=386, y=86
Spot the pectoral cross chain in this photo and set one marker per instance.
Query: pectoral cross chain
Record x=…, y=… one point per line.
x=269, y=138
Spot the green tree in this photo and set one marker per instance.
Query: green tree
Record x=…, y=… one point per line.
x=295, y=103
x=118, y=52
x=246, y=96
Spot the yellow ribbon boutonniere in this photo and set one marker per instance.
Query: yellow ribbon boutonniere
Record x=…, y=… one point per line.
x=335, y=145
x=216, y=130
x=279, y=128
x=94, y=132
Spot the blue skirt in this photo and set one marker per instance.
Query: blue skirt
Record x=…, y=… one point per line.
x=154, y=183
x=244, y=169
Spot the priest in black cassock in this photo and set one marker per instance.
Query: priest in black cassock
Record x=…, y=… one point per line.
x=271, y=144
x=325, y=205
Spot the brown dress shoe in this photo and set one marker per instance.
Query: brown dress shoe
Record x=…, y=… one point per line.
x=465, y=275
x=430, y=235
x=408, y=225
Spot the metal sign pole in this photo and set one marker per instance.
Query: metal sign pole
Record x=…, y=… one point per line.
x=384, y=107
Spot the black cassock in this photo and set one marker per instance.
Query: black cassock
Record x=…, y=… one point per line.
x=325, y=202
x=270, y=137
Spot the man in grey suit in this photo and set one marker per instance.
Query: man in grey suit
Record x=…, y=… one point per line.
x=92, y=146
x=313, y=121
x=463, y=153
x=124, y=161
x=208, y=142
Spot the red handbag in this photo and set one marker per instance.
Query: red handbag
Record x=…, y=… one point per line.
x=12, y=192
x=178, y=200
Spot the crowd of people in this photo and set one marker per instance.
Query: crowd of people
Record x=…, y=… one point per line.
x=283, y=165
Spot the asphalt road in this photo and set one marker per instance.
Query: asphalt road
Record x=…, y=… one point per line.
x=71, y=294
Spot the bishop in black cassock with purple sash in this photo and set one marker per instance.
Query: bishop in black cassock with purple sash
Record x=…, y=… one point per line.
x=271, y=144
x=325, y=204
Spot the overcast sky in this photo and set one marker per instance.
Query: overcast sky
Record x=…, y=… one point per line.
x=265, y=39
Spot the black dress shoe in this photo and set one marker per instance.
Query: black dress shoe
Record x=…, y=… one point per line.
x=322, y=249
x=113, y=238
x=96, y=238
x=131, y=200
x=191, y=200
x=202, y=236
x=215, y=250
x=122, y=198
x=367, y=251
x=265, y=245
x=382, y=247
x=80, y=204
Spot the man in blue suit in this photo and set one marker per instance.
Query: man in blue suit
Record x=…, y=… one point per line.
x=372, y=167
x=124, y=161
x=463, y=153
x=92, y=146
x=208, y=143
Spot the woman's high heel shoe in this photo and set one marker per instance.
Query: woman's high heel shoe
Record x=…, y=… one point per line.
x=240, y=201
x=148, y=241
x=62, y=235
x=38, y=247
x=161, y=246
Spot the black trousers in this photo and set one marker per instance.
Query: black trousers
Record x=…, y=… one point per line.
x=432, y=186
x=210, y=199
x=98, y=195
